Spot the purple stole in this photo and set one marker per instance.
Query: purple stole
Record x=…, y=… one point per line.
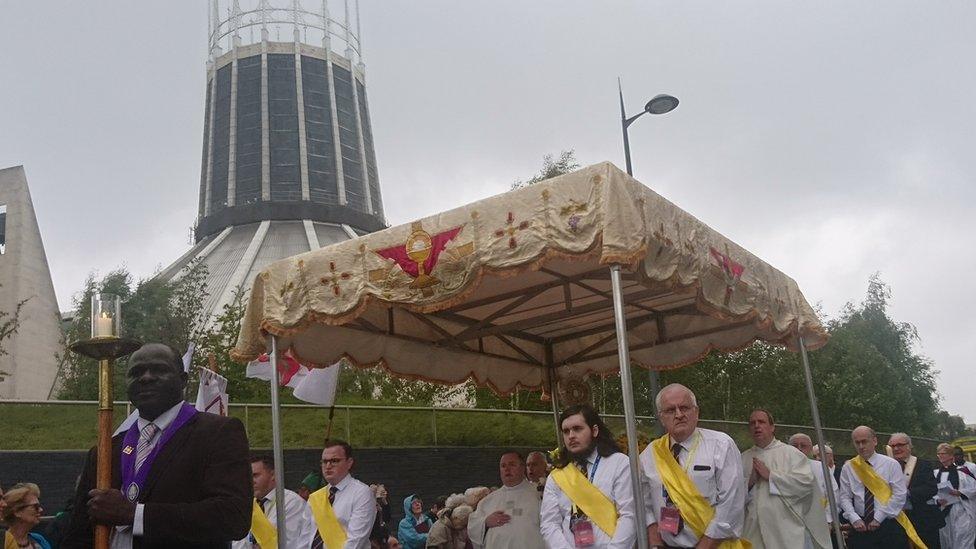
x=133, y=481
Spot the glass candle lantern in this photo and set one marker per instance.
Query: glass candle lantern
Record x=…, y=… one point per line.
x=106, y=316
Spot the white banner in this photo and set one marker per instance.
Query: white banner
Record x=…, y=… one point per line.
x=320, y=385
x=212, y=393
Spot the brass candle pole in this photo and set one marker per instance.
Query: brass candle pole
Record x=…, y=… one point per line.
x=105, y=345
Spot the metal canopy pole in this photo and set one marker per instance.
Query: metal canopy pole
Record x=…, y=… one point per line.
x=276, y=442
x=627, y=388
x=815, y=412
x=551, y=381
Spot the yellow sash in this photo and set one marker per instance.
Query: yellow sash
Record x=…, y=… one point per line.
x=587, y=497
x=331, y=532
x=9, y=542
x=694, y=508
x=882, y=492
x=262, y=529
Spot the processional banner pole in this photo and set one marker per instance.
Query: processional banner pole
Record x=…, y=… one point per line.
x=630, y=415
x=105, y=345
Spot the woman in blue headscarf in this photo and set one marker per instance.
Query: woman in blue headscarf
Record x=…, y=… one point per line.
x=413, y=529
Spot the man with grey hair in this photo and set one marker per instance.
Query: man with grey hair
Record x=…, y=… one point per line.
x=686, y=465
x=922, y=487
x=804, y=444
x=536, y=470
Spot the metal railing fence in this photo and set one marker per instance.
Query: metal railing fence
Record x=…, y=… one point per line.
x=304, y=425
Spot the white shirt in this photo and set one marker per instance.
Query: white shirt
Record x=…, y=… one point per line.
x=612, y=477
x=299, y=524
x=715, y=467
x=818, y=473
x=122, y=537
x=355, y=507
x=852, y=490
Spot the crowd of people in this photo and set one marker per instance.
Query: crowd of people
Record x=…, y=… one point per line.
x=186, y=479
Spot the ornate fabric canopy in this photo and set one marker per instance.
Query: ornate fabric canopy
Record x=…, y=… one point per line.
x=510, y=289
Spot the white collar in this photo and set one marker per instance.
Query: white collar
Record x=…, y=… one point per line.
x=341, y=485
x=164, y=419
x=520, y=486
x=772, y=443
x=686, y=443
x=271, y=496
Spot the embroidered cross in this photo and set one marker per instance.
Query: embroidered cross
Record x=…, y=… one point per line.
x=333, y=278
x=511, y=229
x=731, y=270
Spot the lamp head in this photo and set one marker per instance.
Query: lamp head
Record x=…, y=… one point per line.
x=661, y=103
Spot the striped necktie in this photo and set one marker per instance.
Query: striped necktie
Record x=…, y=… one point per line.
x=676, y=452
x=868, y=501
x=147, y=438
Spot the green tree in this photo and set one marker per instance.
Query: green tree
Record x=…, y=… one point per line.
x=214, y=342
x=868, y=373
x=551, y=167
x=152, y=311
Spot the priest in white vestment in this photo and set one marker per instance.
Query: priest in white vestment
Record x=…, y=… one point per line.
x=960, y=528
x=783, y=504
x=508, y=518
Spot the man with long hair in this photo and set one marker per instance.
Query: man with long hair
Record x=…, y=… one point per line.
x=588, y=500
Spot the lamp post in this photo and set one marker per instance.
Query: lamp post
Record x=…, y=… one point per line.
x=659, y=104
x=105, y=345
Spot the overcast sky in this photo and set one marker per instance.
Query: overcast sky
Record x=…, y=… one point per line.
x=832, y=139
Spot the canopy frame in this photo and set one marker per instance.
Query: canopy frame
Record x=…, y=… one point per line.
x=559, y=302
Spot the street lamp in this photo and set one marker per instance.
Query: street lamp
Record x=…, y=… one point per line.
x=659, y=104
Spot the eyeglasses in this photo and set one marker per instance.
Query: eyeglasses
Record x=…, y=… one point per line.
x=333, y=461
x=899, y=445
x=673, y=411
x=36, y=506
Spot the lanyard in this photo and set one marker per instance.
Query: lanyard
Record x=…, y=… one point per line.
x=596, y=463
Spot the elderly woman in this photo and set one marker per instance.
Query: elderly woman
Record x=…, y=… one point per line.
x=451, y=529
x=21, y=513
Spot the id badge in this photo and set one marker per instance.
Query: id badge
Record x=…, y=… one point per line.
x=670, y=521
x=582, y=532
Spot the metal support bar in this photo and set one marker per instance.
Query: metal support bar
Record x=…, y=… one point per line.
x=815, y=412
x=626, y=385
x=551, y=381
x=276, y=441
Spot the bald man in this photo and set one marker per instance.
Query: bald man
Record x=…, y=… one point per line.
x=873, y=521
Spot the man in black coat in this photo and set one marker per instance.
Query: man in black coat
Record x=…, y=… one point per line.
x=184, y=483
x=922, y=486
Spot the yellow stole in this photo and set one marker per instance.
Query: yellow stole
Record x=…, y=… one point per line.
x=587, y=497
x=9, y=542
x=331, y=532
x=262, y=529
x=882, y=493
x=694, y=508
